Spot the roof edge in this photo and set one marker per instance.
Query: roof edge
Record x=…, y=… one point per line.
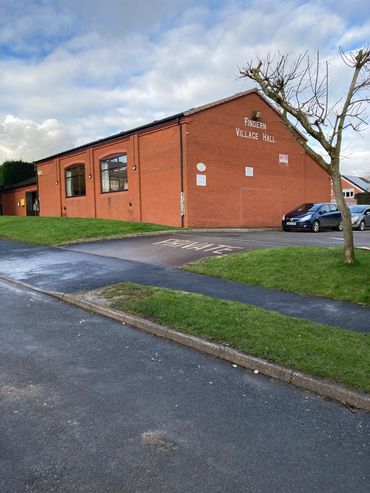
x=348, y=178
x=24, y=183
x=163, y=121
x=148, y=126
x=220, y=101
x=125, y=133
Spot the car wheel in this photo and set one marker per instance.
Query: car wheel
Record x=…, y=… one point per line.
x=315, y=228
x=340, y=226
x=361, y=226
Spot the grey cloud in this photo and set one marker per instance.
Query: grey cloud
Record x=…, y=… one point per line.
x=122, y=64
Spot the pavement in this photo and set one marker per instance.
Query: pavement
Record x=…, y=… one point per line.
x=91, y=405
x=70, y=270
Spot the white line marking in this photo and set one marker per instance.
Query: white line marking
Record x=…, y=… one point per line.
x=215, y=248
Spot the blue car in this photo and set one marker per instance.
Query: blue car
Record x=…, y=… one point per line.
x=313, y=217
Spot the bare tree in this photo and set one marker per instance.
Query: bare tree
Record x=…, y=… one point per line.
x=300, y=89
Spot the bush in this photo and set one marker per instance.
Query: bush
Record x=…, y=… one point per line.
x=12, y=172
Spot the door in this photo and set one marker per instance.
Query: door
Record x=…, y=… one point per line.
x=29, y=203
x=324, y=216
x=329, y=216
x=32, y=204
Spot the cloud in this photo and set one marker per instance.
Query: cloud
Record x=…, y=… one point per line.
x=32, y=28
x=27, y=140
x=96, y=67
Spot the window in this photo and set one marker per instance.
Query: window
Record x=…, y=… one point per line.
x=114, y=174
x=348, y=192
x=75, y=181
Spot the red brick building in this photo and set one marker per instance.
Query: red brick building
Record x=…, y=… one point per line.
x=351, y=186
x=231, y=163
x=20, y=199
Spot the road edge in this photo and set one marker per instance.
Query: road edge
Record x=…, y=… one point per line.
x=159, y=233
x=348, y=397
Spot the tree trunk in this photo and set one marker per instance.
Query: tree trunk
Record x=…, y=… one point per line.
x=349, y=249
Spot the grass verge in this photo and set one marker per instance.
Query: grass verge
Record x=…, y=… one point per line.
x=316, y=271
x=340, y=355
x=55, y=230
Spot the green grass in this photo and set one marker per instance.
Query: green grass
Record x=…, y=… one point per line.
x=308, y=270
x=55, y=230
x=340, y=355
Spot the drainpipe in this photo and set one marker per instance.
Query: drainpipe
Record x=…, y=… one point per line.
x=182, y=198
x=92, y=177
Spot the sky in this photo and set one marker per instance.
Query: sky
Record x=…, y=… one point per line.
x=73, y=71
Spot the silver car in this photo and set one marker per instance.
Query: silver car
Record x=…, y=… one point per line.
x=360, y=216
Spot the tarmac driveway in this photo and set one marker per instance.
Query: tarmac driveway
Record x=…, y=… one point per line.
x=68, y=271
x=176, y=249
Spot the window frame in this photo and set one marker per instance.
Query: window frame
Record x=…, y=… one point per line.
x=68, y=179
x=119, y=165
x=348, y=193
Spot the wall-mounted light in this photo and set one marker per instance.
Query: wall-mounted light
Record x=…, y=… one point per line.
x=56, y=182
x=90, y=176
x=134, y=167
x=256, y=115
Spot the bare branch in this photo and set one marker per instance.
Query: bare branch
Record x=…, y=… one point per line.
x=301, y=91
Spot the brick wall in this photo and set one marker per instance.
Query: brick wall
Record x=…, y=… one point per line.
x=160, y=176
x=223, y=137
x=153, y=193
x=12, y=201
x=230, y=198
x=49, y=188
x=349, y=187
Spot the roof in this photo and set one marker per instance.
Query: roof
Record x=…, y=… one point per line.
x=359, y=182
x=220, y=101
x=156, y=123
x=23, y=183
x=169, y=119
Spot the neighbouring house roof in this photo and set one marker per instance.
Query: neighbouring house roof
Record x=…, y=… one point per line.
x=157, y=123
x=23, y=183
x=359, y=182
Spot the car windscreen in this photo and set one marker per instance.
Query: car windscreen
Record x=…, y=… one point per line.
x=306, y=207
x=357, y=208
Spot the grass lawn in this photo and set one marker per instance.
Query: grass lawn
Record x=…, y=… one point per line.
x=308, y=270
x=54, y=230
x=340, y=355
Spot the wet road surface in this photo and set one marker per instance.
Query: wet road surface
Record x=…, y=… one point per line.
x=70, y=271
x=176, y=249
x=88, y=404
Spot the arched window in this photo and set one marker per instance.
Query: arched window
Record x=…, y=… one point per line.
x=75, y=180
x=113, y=171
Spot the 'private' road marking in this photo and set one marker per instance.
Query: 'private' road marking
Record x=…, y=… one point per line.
x=216, y=249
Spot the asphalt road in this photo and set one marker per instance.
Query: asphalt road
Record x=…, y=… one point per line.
x=70, y=271
x=176, y=249
x=89, y=405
